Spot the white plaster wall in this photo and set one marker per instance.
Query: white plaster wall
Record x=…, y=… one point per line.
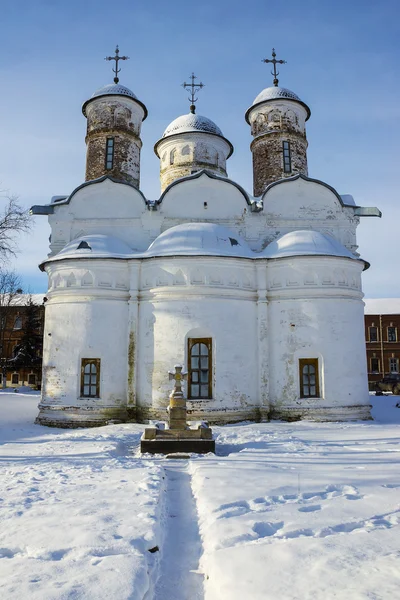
x=167, y=317
x=84, y=322
x=325, y=321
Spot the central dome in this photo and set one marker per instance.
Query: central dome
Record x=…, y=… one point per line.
x=192, y=123
x=199, y=239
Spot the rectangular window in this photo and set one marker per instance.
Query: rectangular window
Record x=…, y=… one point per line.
x=375, y=367
x=15, y=379
x=109, y=153
x=31, y=379
x=90, y=378
x=1, y=378
x=309, y=381
x=391, y=334
x=287, y=158
x=199, y=368
x=373, y=334
x=394, y=365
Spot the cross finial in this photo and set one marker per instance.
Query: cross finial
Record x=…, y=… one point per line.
x=275, y=73
x=192, y=88
x=117, y=58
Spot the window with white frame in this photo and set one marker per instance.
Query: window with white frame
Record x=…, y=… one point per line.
x=394, y=365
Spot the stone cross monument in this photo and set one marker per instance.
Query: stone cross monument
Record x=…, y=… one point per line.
x=177, y=401
x=179, y=437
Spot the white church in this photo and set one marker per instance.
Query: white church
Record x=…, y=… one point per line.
x=258, y=295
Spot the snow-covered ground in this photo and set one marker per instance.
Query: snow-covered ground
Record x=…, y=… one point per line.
x=304, y=511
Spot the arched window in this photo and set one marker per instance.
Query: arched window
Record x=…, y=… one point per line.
x=309, y=381
x=18, y=322
x=199, y=368
x=90, y=378
x=172, y=157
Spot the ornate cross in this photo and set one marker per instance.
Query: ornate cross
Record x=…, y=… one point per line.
x=179, y=377
x=275, y=73
x=192, y=88
x=117, y=58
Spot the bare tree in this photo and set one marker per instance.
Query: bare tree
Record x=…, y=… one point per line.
x=10, y=296
x=14, y=219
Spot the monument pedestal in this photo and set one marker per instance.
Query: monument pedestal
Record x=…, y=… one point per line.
x=179, y=438
x=168, y=441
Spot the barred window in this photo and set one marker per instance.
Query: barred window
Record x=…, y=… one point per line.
x=199, y=368
x=90, y=378
x=309, y=383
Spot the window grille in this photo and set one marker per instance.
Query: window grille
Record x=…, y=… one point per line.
x=199, y=368
x=90, y=378
x=309, y=381
x=109, y=153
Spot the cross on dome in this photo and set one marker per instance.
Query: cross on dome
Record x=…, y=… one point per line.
x=117, y=58
x=275, y=73
x=192, y=88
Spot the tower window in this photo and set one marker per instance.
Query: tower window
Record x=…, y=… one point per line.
x=109, y=153
x=287, y=158
x=90, y=378
x=199, y=368
x=309, y=384
x=172, y=157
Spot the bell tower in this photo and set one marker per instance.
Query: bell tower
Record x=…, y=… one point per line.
x=277, y=118
x=114, y=120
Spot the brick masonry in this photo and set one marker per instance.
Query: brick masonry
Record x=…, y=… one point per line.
x=111, y=117
x=271, y=125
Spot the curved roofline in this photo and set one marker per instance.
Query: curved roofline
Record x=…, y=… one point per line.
x=141, y=256
x=290, y=256
x=310, y=179
x=303, y=104
x=209, y=174
x=84, y=105
x=99, y=180
x=174, y=135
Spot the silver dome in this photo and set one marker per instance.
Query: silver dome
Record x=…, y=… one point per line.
x=114, y=89
x=276, y=93
x=190, y=123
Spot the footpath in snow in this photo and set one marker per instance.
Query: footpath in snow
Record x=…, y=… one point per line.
x=295, y=511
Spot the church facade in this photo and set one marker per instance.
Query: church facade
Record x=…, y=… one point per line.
x=258, y=295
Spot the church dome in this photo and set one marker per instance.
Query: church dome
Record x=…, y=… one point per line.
x=199, y=239
x=192, y=123
x=93, y=246
x=276, y=93
x=114, y=89
x=306, y=243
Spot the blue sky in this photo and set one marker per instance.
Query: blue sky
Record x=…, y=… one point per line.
x=342, y=60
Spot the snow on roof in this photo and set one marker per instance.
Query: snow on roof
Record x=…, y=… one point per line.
x=382, y=306
x=199, y=239
x=276, y=93
x=192, y=123
x=23, y=299
x=114, y=89
x=306, y=242
x=94, y=246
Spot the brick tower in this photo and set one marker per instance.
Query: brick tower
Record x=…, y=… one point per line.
x=114, y=120
x=277, y=118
